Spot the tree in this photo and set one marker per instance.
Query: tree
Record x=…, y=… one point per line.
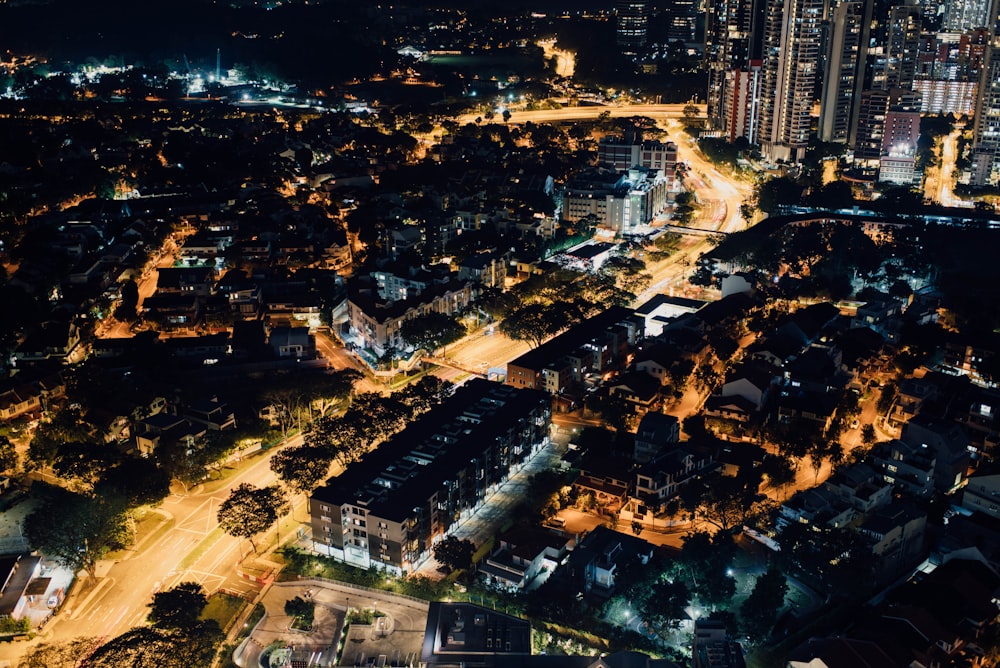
x=532, y=323
x=662, y=605
x=707, y=560
x=78, y=529
x=777, y=191
x=302, y=468
x=137, y=480
x=8, y=456
x=58, y=655
x=251, y=510
x=129, y=294
x=302, y=611
x=163, y=648
x=178, y=608
x=759, y=612
x=431, y=331
x=455, y=553
x=868, y=436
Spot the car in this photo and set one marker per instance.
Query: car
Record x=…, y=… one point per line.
x=854, y=425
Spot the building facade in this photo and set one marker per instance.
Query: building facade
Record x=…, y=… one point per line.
x=388, y=509
x=792, y=48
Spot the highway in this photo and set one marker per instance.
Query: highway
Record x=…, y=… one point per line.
x=658, y=112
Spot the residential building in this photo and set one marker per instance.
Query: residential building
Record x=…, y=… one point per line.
x=897, y=532
x=656, y=431
x=986, y=130
x=624, y=153
x=522, y=559
x=463, y=634
x=620, y=203
x=593, y=566
x=843, y=80
x=594, y=345
x=871, y=125
x=713, y=647
x=740, y=108
x=897, y=163
x=375, y=325
x=388, y=509
x=949, y=444
x=962, y=15
x=658, y=481
x=792, y=44
x=733, y=37
x=16, y=573
x=294, y=342
x=982, y=494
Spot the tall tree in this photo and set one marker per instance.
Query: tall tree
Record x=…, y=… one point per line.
x=302, y=468
x=760, y=611
x=8, y=456
x=251, y=510
x=78, y=529
x=431, y=331
x=178, y=608
x=455, y=552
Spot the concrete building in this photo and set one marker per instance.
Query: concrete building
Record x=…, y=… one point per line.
x=792, y=48
x=897, y=163
x=631, y=21
x=623, y=153
x=389, y=508
x=619, y=202
x=844, y=76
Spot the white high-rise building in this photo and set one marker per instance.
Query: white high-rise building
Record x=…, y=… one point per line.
x=962, y=15
x=844, y=78
x=986, y=140
x=792, y=47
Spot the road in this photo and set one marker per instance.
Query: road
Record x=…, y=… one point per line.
x=189, y=548
x=659, y=112
x=938, y=186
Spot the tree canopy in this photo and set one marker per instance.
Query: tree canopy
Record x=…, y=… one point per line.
x=251, y=510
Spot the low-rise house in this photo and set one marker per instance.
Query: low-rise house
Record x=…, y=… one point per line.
x=294, y=342
x=488, y=269
x=713, y=647
x=161, y=428
x=51, y=341
x=982, y=494
x=847, y=496
x=211, y=413
x=198, y=281
x=911, y=396
x=608, y=479
x=16, y=573
x=656, y=431
x=594, y=565
x=897, y=532
x=949, y=444
x=909, y=467
x=637, y=388
x=658, y=481
x=172, y=312
x=523, y=558
x=749, y=381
